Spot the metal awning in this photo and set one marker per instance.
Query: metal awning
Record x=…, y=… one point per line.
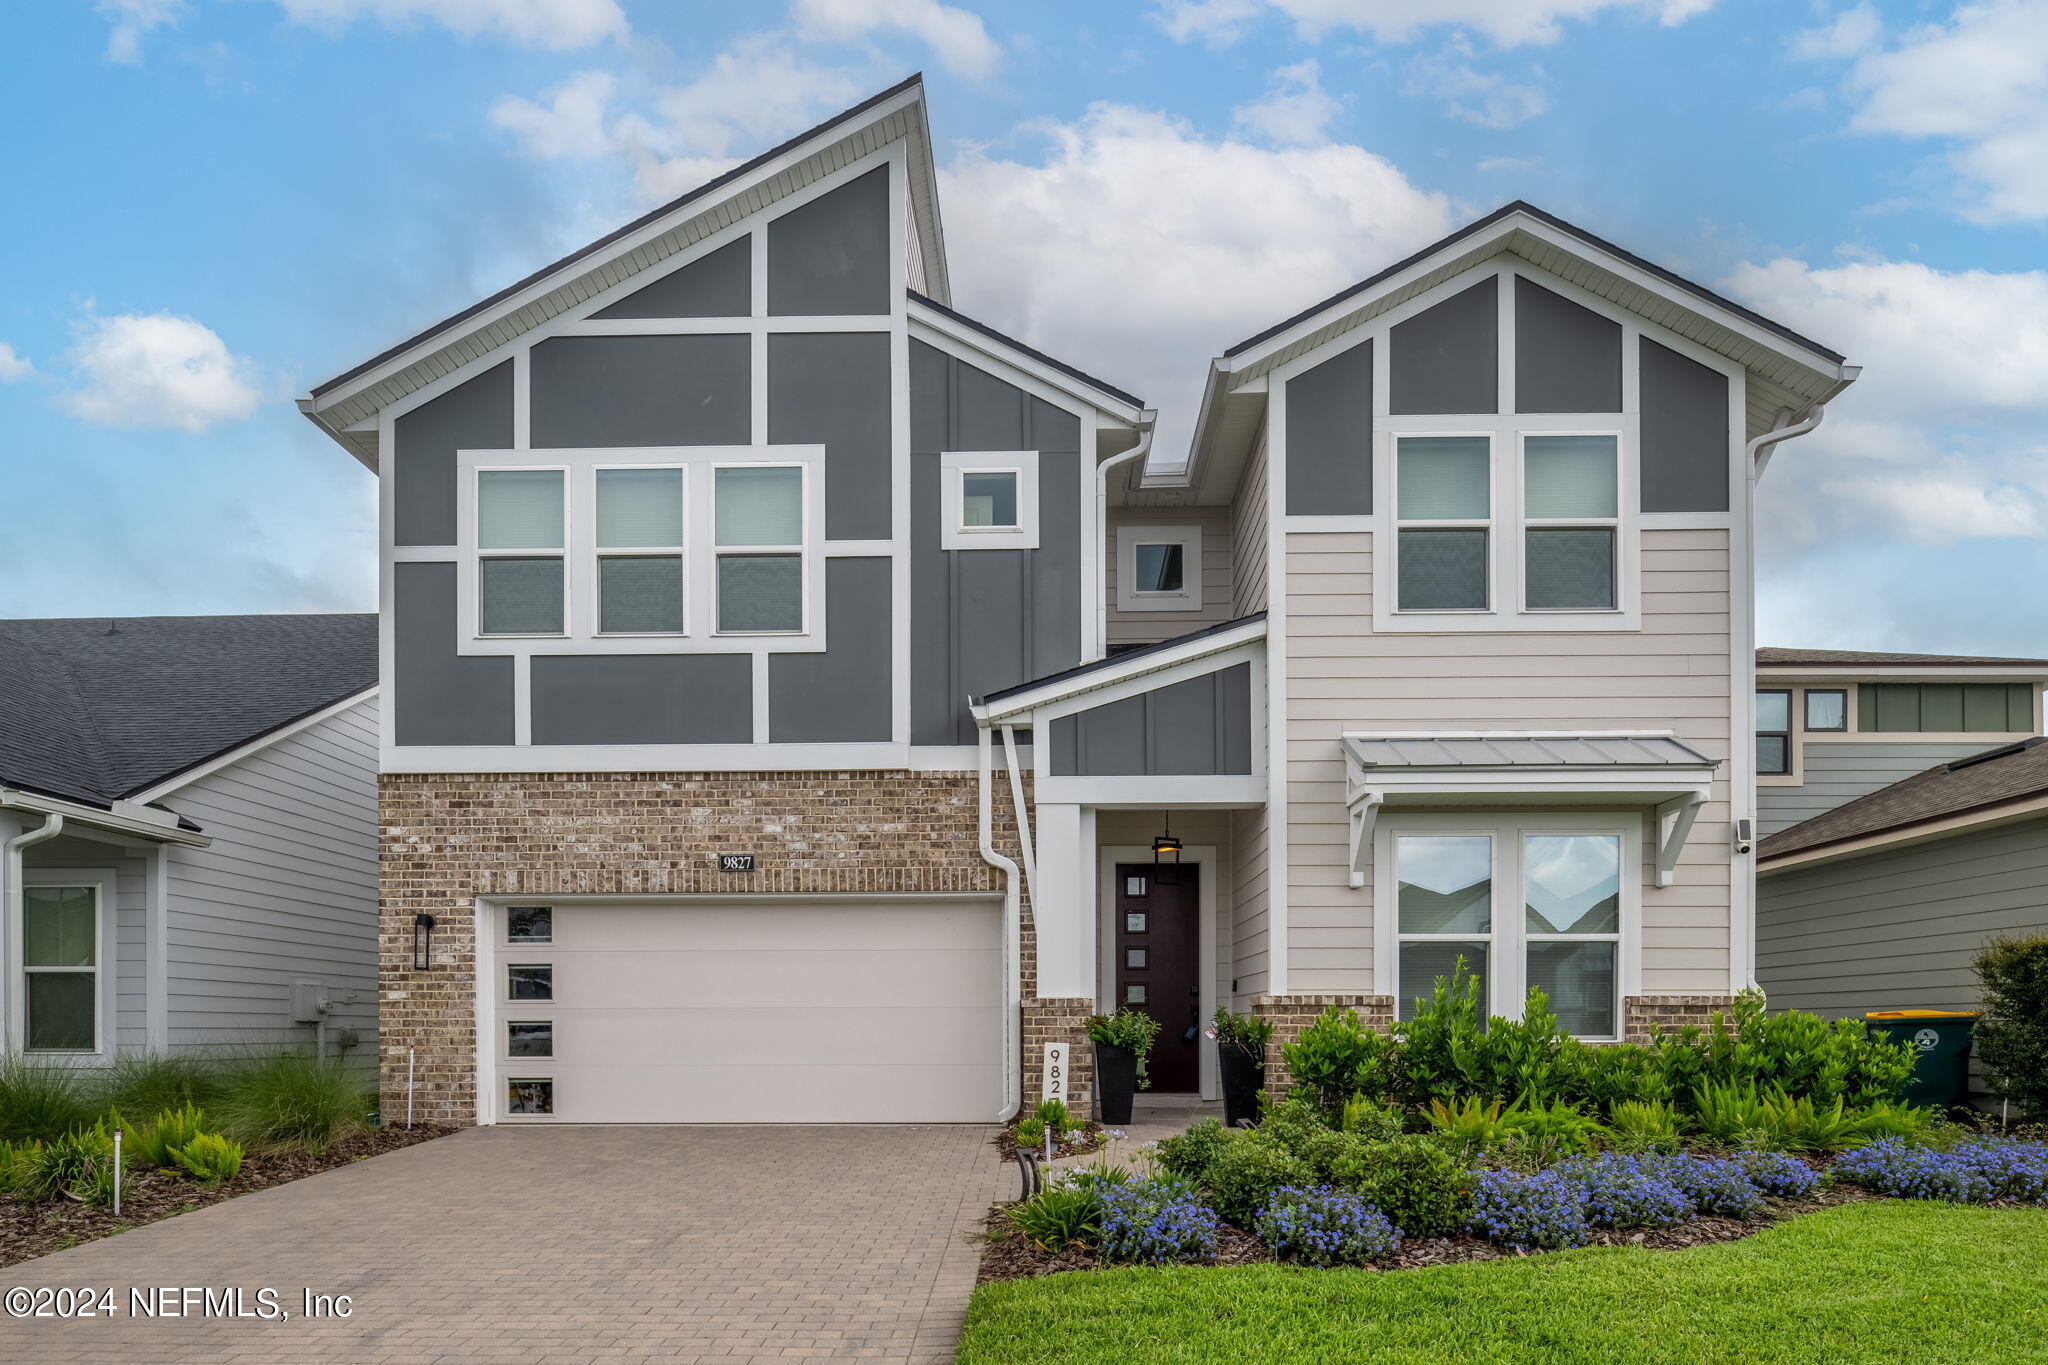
x=1478, y=769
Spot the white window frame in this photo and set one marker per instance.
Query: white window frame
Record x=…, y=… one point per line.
x=1129, y=537
x=954, y=533
x=102, y=882
x=1508, y=943
x=1489, y=524
x=599, y=553
x=1524, y=523
x=480, y=554
x=800, y=551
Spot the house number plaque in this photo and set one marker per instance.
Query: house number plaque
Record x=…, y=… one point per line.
x=1054, y=1085
x=735, y=862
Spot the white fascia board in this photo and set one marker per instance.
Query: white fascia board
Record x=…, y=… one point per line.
x=127, y=818
x=256, y=745
x=1960, y=673
x=583, y=265
x=929, y=325
x=1096, y=680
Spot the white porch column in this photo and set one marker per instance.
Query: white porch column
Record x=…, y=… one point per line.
x=1063, y=904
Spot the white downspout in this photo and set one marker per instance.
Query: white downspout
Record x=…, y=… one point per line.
x=11, y=872
x=1761, y=448
x=1013, y=935
x=1105, y=548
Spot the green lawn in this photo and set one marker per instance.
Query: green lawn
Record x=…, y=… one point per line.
x=1890, y=1282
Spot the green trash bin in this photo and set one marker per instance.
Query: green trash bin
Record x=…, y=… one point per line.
x=1941, y=1038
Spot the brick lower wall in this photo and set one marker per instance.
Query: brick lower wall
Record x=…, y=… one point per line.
x=1060, y=1021
x=1290, y=1014
x=1668, y=1012
x=447, y=839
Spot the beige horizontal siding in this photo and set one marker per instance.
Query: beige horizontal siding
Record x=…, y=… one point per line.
x=1218, y=590
x=1248, y=534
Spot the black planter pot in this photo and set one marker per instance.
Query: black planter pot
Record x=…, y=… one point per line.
x=1244, y=1076
x=1116, y=1082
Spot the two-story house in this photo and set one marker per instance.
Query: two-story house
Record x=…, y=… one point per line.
x=805, y=702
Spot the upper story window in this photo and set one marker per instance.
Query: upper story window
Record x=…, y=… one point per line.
x=639, y=543
x=1444, y=515
x=1773, y=733
x=991, y=500
x=1827, y=708
x=1158, y=568
x=1571, y=512
x=521, y=541
x=988, y=499
x=760, y=531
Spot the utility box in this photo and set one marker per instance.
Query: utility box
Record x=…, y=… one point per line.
x=309, y=1002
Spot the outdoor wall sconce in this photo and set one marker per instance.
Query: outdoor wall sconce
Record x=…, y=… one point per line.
x=1166, y=874
x=422, y=942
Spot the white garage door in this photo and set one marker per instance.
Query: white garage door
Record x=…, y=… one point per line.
x=754, y=1012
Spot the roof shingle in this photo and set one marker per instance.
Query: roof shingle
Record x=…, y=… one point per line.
x=2009, y=772
x=1879, y=658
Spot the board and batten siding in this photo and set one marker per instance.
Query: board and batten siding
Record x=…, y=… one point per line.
x=1674, y=673
x=287, y=891
x=1248, y=535
x=1218, y=589
x=1835, y=772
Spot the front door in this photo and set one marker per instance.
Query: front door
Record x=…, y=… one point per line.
x=1157, y=954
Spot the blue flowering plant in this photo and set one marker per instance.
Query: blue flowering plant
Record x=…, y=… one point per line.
x=1541, y=1212
x=1973, y=1172
x=1777, y=1173
x=1323, y=1225
x=1154, y=1222
x=1621, y=1191
x=1712, y=1184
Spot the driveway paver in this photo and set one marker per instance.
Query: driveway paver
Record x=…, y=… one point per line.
x=690, y=1244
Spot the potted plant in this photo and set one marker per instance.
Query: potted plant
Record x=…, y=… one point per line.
x=1241, y=1053
x=1122, y=1042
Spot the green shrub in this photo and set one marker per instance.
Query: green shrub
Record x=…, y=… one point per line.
x=1472, y=1125
x=1441, y=1051
x=1031, y=1132
x=2011, y=1037
x=1293, y=1121
x=1189, y=1155
x=1809, y=1127
x=152, y=1146
x=1893, y=1119
x=1246, y=1031
x=1129, y=1030
x=1057, y=1218
x=150, y=1083
x=292, y=1100
x=1369, y=1118
x=1336, y=1058
x=1053, y=1114
x=1418, y=1184
x=1643, y=1126
x=80, y=1165
x=41, y=1100
x=1798, y=1052
x=1735, y=1116
x=211, y=1157
x=1244, y=1174
x=21, y=1168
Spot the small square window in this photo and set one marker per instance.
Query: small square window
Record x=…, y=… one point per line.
x=1158, y=567
x=1827, y=710
x=529, y=1095
x=529, y=982
x=988, y=500
x=530, y=1038
x=530, y=924
x=1135, y=922
x=1136, y=958
x=1135, y=885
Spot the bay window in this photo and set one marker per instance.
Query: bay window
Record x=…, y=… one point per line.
x=521, y=543
x=759, y=518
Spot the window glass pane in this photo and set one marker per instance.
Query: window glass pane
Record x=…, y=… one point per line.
x=519, y=509
x=1135, y=922
x=521, y=596
x=640, y=595
x=1136, y=958
x=530, y=983
x=533, y=1039
x=988, y=499
x=1569, y=476
x=1443, y=570
x=1771, y=753
x=530, y=1097
x=1443, y=478
x=1774, y=711
x=760, y=592
x=1446, y=883
x=1571, y=883
x=1827, y=710
x=530, y=924
x=1570, y=570
x=639, y=507
x=1579, y=980
x=1423, y=963
x=60, y=1006
x=1158, y=568
x=763, y=506
x=1134, y=993
x=57, y=926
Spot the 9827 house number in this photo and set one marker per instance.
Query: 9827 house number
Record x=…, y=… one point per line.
x=735, y=862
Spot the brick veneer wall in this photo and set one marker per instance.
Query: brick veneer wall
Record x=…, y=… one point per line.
x=1290, y=1014
x=446, y=839
x=1669, y=1012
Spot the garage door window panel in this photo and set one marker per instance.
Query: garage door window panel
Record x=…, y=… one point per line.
x=530, y=1038
x=530, y=981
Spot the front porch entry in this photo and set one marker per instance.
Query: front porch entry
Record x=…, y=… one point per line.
x=1155, y=966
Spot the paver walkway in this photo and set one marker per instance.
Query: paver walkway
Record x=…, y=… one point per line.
x=567, y=1244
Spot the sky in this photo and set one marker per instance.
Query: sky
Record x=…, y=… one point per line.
x=216, y=204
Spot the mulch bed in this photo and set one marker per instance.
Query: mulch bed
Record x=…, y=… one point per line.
x=1009, y=1255
x=29, y=1230
x=1094, y=1137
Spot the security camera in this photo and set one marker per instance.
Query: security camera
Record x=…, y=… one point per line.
x=1743, y=836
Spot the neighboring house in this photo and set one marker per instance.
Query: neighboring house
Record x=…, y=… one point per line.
x=188, y=805
x=740, y=596
x=1918, y=829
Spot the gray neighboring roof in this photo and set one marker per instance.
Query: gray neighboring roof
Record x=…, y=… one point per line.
x=1068, y=370
x=2007, y=773
x=96, y=709
x=1425, y=750
x=1878, y=658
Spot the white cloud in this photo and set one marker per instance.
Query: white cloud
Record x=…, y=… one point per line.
x=1137, y=248
x=955, y=36
x=1485, y=98
x=158, y=370
x=570, y=125
x=554, y=24
x=14, y=366
x=1507, y=23
x=1940, y=509
x=1979, y=82
x=131, y=19
x=1500, y=164
x=1296, y=109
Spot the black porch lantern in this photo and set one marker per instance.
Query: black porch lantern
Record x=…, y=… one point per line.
x=1164, y=844
x=422, y=942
